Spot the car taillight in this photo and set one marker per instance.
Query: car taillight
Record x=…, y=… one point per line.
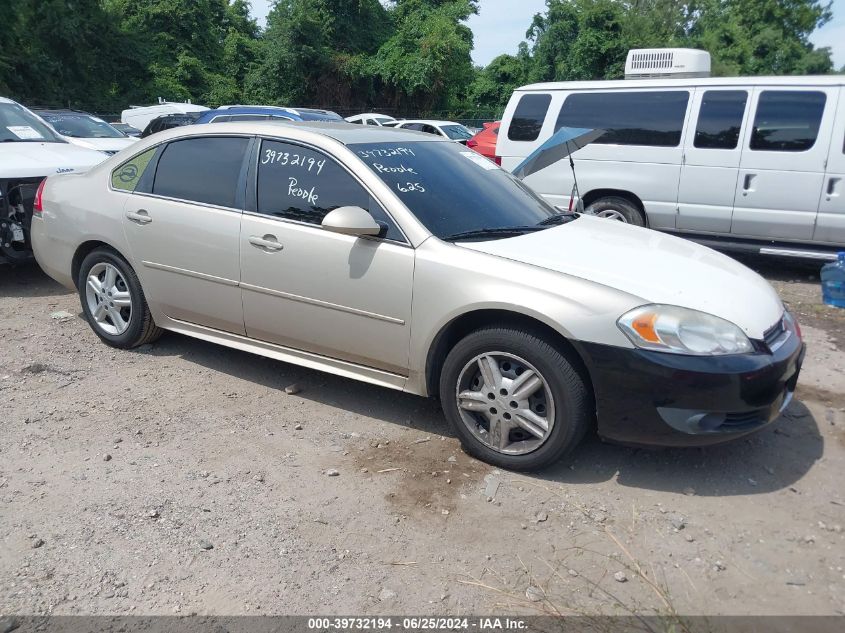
x=37, y=206
x=497, y=160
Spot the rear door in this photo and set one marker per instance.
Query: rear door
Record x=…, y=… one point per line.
x=830, y=224
x=783, y=162
x=185, y=231
x=711, y=160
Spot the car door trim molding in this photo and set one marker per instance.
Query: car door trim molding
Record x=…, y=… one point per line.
x=190, y=273
x=323, y=304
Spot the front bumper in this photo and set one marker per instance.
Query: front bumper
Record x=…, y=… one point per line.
x=654, y=398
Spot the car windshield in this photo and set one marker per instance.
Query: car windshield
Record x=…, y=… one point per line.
x=454, y=191
x=81, y=126
x=18, y=125
x=456, y=132
x=382, y=120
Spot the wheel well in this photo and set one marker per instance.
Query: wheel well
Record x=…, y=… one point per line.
x=463, y=325
x=591, y=196
x=81, y=253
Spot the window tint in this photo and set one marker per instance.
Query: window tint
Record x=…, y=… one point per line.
x=298, y=183
x=787, y=120
x=720, y=119
x=127, y=176
x=528, y=117
x=628, y=118
x=201, y=170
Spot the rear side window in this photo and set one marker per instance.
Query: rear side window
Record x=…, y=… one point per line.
x=302, y=184
x=787, y=120
x=628, y=118
x=127, y=176
x=528, y=117
x=201, y=170
x=720, y=119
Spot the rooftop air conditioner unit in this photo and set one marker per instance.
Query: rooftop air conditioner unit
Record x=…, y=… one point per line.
x=650, y=63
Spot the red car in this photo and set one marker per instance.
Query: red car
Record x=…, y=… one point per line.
x=485, y=141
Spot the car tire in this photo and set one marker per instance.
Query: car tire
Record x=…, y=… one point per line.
x=616, y=208
x=565, y=401
x=117, y=324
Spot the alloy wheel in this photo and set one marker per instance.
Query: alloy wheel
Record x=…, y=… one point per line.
x=109, y=299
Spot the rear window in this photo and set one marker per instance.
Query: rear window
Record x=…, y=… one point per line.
x=201, y=170
x=787, y=120
x=528, y=117
x=653, y=119
x=720, y=119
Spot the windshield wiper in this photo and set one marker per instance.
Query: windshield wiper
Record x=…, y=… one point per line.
x=558, y=218
x=501, y=231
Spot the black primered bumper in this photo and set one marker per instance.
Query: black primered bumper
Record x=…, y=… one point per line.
x=654, y=398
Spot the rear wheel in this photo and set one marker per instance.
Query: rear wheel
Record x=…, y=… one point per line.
x=616, y=208
x=113, y=301
x=513, y=399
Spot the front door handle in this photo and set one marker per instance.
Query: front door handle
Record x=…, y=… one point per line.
x=832, y=183
x=267, y=242
x=139, y=217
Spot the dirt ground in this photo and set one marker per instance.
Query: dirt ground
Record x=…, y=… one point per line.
x=182, y=478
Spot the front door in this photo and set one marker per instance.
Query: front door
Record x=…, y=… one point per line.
x=303, y=287
x=783, y=161
x=185, y=231
x=711, y=160
x=830, y=224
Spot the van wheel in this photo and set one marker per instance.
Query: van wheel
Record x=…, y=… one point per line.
x=514, y=400
x=616, y=208
x=113, y=301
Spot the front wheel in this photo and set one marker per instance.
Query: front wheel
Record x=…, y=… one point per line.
x=513, y=399
x=113, y=301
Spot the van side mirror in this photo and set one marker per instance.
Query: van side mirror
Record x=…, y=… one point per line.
x=351, y=221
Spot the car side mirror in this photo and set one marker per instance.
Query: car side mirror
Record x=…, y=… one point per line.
x=351, y=221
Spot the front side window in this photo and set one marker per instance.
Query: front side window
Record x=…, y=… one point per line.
x=302, y=184
x=787, y=120
x=653, y=119
x=128, y=175
x=720, y=119
x=206, y=170
x=528, y=117
x=452, y=189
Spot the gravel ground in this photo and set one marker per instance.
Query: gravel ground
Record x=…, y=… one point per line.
x=182, y=478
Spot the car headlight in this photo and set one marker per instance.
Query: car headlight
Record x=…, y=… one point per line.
x=682, y=331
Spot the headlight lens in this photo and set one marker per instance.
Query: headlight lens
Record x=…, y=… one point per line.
x=682, y=331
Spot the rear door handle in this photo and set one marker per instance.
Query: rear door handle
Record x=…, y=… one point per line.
x=831, y=186
x=267, y=242
x=139, y=217
x=747, y=182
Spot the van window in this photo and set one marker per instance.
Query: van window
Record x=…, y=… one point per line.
x=628, y=118
x=787, y=120
x=720, y=119
x=205, y=169
x=528, y=117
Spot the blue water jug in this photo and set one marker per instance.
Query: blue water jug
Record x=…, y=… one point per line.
x=833, y=282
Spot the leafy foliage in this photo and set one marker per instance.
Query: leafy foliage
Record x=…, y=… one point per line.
x=409, y=56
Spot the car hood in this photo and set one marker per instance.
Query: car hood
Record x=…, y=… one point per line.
x=27, y=160
x=656, y=267
x=103, y=144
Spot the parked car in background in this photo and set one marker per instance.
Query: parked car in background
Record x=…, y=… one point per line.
x=484, y=142
x=126, y=129
x=140, y=116
x=406, y=261
x=29, y=150
x=744, y=163
x=86, y=130
x=447, y=129
x=372, y=118
x=169, y=121
x=225, y=114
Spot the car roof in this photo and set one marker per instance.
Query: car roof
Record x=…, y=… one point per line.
x=60, y=111
x=248, y=110
x=688, y=82
x=341, y=131
x=428, y=122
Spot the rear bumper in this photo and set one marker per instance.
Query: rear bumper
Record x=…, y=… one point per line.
x=653, y=398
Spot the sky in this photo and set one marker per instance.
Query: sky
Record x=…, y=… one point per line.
x=501, y=26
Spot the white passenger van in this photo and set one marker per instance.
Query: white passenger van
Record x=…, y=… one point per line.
x=750, y=163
